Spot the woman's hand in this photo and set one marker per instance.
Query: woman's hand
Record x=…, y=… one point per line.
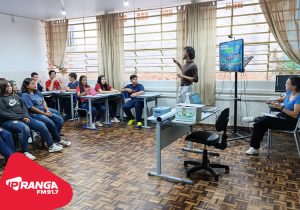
x=26, y=120
x=275, y=104
x=48, y=113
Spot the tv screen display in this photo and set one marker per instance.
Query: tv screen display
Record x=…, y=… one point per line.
x=232, y=56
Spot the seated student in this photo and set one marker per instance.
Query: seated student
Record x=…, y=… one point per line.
x=134, y=89
x=39, y=84
x=14, y=87
x=6, y=144
x=102, y=87
x=73, y=84
x=287, y=118
x=39, y=110
x=15, y=118
x=53, y=83
x=82, y=90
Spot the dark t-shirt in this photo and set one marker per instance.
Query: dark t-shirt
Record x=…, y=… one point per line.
x=137, y=88
x=189, y=69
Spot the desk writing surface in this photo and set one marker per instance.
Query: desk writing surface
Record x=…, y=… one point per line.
x=148, y=95
x=204, y=115
x=105, y=95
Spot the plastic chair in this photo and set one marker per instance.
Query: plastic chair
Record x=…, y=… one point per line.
x=77, y=109
x=293, y=131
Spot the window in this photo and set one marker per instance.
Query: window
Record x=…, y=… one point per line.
x=249, y=23
x=81, y=50
x=150, y=43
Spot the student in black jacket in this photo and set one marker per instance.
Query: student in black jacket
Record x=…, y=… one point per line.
x=14, y=117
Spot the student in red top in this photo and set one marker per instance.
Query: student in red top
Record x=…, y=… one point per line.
x=84, y=89
x=53, y=83
x=102, y=87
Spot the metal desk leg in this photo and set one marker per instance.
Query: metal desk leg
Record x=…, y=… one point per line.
x=145, y=115
x=158, y=161
x=121, y=107
x=107, y=121
x=72, y=107
x=90, y=115
x=58, y=105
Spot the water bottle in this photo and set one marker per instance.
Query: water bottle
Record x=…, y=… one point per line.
x=187, y=98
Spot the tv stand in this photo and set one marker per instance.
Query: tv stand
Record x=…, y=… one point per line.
x=236, y=99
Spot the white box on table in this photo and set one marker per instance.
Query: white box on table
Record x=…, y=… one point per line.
x=188, y=112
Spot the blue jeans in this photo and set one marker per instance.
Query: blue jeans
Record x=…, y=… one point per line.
x=22, y=129
x=6, y=144
x=98, y=106
x=53, y=123
x=138, y=104
x=42, y=129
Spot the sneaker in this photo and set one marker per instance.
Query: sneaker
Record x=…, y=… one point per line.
x=93, y=126
x=55, y=148
x=30, y=156
x=98, y=124
x=116, y=120
x=130, y=122
x=139, y=124
x=248, y=119
x=65, y=143
x=252, y=151
x=59, y=145
x=29, y=140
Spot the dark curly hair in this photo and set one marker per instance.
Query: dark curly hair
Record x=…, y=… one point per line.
x=190, y=51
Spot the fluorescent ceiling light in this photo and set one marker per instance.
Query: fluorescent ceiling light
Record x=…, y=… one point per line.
x=126, y=3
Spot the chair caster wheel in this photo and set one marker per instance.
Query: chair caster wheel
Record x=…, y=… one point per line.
x=216, y=179
x=185, y=165
x=227, y=171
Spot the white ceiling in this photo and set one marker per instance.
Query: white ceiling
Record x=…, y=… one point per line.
x=51, y=9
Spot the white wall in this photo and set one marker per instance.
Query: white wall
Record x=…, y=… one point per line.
x=253, y=100
x=23, y=48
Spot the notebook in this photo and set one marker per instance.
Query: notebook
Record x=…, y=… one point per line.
x=92, y=91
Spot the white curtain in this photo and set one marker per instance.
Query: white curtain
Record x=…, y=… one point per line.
x=201, y=34
x=57, y=32
x=111, y=49
x=180, y=36
x=283, y=17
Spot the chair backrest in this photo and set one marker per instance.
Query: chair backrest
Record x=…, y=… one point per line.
x=222, y=121
x=195, y=98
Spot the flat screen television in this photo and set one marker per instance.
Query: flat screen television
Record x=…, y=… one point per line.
x=280, y=82
x=232, y=56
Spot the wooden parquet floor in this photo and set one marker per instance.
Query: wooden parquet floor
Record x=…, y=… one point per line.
x=108, y=170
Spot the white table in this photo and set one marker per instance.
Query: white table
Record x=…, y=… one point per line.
x=58, y=93
x=104, y=97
